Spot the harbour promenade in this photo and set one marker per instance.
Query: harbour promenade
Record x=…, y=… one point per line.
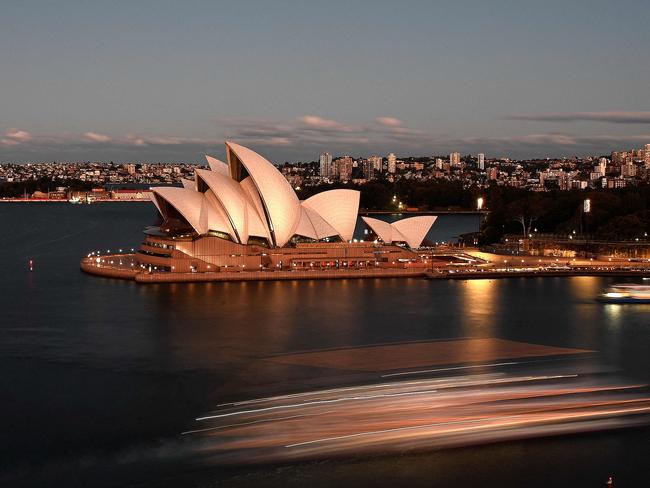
x=123, y=266
x=440, y=266
x=483, y=274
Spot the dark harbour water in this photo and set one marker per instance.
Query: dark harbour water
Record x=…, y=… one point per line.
x=99, y=377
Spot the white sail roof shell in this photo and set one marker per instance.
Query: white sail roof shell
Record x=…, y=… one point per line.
x=152, y=197
x=256, y=221
x=189, y=184
x=194, y=207
x=313, y=225
x=339, y=208
x=412, y=230
x=231, y=196
x=415, y=229
x=321, y=226
x=217, y=166
x=380, y=227
x=280, y=201
x=305, y=227
x=215, y=205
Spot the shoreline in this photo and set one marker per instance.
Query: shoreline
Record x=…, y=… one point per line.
x=478, y=275
x=139, y=276
x=126, y=273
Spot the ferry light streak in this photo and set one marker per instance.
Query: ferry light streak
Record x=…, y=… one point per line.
x=428, y=413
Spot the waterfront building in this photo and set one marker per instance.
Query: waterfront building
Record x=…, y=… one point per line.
x=131, y=194
x=243, y=215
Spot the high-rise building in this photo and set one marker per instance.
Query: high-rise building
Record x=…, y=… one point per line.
x=564, y=181
x=325, y=165
x=376, y=162
x=454, y=159
x=481, y=161
x=343, y=168
x=439, y=163
x=602, y=166
x=493, y=174
x=368, y=168
x=392, y=163
x=628, y=169
x=646, y=156
x=617, y=157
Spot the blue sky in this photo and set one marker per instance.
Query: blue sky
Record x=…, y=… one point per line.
x=169, y=81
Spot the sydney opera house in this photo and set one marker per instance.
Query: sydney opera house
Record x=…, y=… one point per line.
x=243, y=216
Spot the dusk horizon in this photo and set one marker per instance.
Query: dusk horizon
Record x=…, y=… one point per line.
x=166, y=84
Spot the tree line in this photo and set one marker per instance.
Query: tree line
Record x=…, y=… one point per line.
x=615, y=214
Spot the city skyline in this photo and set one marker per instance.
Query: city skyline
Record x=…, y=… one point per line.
x=169, y=83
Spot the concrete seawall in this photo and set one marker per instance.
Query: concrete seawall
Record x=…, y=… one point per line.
x=534, y=274
x=107, y=271
x=274, y=275
x=126, y=272
x=89, y=266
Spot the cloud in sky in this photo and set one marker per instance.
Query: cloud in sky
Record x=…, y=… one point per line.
x=95, y=137
x=12, y=137
x=389, y=121
x=316, y=122
x=300, y=139
x=612, y=117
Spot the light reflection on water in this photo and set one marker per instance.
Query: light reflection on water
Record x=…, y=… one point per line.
x=480, y=306
x=131, y=364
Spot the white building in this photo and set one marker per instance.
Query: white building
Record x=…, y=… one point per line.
x=481, y=161
x=247, y=201
x=392, y=163
x=325, y=165
x=376, y=162
x=602, y=166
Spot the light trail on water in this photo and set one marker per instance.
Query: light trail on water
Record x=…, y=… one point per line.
x=428, y=413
